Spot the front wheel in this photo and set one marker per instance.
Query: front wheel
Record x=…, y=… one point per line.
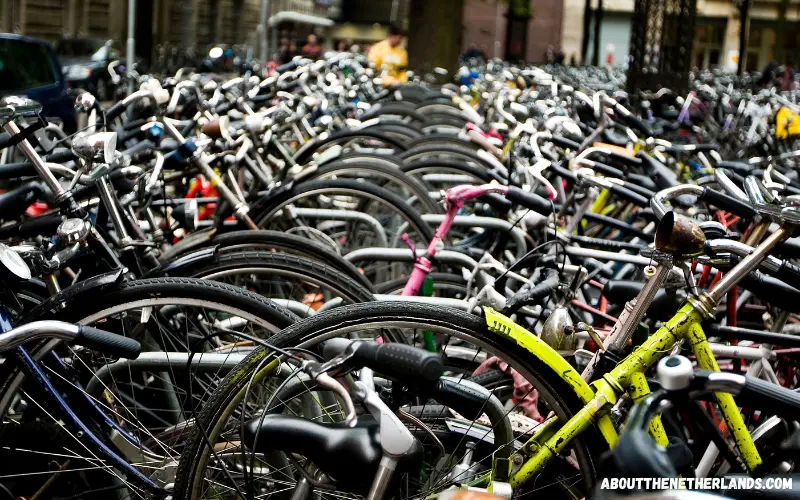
x=203, y=474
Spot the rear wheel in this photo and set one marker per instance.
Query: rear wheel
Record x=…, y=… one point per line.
x=202, y=473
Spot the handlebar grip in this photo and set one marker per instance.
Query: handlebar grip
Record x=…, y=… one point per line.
x=637, y=124
x=224, y=107
x=568, y=175
x=633, y=197
x=495, y=200
x=61, y=156
x=728, y=203
x=283, y=68
x=532, y=294
x=789, y=273
x=608, y=170
x=627, y=159
x=108, y=343
x=400, y=361
x=115, y=110
x=771, y=397
x=565, y=143
x=529, y=200
x=660, y=173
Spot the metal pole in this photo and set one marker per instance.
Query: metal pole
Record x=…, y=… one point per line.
x=744, y=34
x=131, y=43
x=262, y=33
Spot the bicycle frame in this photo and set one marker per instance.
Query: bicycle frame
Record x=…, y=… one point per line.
x=628, y=376
x=82, y=432
x=455, y=199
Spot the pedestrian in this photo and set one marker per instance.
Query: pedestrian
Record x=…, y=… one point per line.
x=312, y=49
x=390, y=57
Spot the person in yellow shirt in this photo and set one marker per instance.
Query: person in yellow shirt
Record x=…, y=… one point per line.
x=391, y=57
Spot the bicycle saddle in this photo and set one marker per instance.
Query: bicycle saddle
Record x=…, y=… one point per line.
x=14, y=203
x=18, y=106
x=349, y=456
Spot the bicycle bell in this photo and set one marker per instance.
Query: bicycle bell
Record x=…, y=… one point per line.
x=72, y=230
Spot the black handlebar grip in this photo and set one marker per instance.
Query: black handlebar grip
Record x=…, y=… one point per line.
x=531, y=294
x=608, y=170
x=660, y=173
x=627, y=159
x=631, y=196
x=565, y=143
x=771, y=397
x=568, y=175
x=789, y=273
x=741, y=168
x=115, y=110
x=728, y=203
x=500, y=203
x=635, y=123
x=290, y=66
x=400, y=361
x=17, y=170
x=108, y=343
x=224, y=107
x=63, y=155
x=529, y=200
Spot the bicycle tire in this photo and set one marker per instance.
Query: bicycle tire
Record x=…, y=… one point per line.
x=394, y=174
x=265, y=207
x=303, y=155
x=85, y=307
x=280, y=264
x=352, y=318
x=291, y=243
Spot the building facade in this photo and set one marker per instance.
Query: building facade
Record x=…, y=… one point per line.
x=177, y=23
x=717, y=30
x=485, y=25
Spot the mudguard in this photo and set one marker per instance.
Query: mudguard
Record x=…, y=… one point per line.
x=177, y=267
x=502, y=325
x=53, y=303
x=188, y=244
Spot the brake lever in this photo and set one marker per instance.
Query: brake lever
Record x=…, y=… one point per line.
x=319, y=372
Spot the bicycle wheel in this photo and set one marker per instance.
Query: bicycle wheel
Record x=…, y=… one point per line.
x=377, y=171
x=262, y=240
x=155, y=406
x=304, y=154
x=302, y=285
x=199, y=471
x=327, y=209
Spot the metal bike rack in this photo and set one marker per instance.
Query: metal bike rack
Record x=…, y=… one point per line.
x=329, y=214
x=374, y=254
x=165, y=361
x=517, y=234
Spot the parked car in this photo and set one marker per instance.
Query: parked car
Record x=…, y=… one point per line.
x=30, y=67
x=85, y=64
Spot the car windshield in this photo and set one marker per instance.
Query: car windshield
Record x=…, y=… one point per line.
x=82, y=47
x=24, y=65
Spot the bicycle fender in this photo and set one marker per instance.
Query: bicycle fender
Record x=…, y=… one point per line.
x=53, y=303
x=177, y=267
x=190, y=243
x=502, y=325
